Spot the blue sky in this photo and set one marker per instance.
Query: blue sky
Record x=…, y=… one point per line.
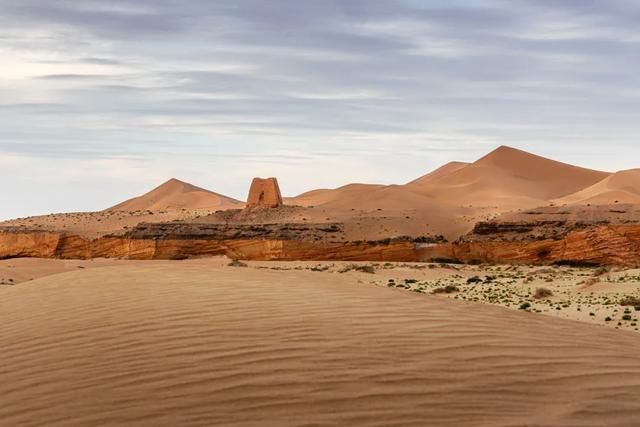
x=101, y=101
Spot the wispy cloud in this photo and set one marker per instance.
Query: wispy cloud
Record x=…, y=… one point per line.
x=220, y=91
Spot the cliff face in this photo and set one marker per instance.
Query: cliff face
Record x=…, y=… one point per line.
x=602, y=245
x=52, y=245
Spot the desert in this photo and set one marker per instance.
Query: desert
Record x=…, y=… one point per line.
x=337, y=213
x=335, y=307
x=206, y=343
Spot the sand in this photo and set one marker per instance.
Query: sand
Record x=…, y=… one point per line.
x=200, y=343
x=175, y=194
x=447, y=201
x=620, y=187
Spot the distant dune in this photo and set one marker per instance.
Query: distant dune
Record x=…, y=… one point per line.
x=192, y=343
x=506, y=178
x=439, y=173
x=322, y=196
x=176, y=194
x=620, y=187
x=447, y=201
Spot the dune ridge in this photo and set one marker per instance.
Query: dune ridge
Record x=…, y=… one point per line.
x=506, y=178
x=176, y=194
x=155, y=345
x=620, y=187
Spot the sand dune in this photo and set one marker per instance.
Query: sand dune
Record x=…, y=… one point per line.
x=441, y=172
x=195, y=344
x=176, y=194
x=324, y=195
x=506, y=178
x=620, y=187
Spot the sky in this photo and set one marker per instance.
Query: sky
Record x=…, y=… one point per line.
x=104, y=100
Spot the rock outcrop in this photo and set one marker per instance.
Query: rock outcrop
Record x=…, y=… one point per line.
x=24, y=243
x=264, y=193
x=617, y=244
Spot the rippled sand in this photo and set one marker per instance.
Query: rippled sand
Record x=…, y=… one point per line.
x=196, y=343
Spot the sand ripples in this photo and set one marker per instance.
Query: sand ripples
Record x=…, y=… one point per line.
x=184, y=344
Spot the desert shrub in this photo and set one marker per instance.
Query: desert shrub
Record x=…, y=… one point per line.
x=576, y=263
x=449, y=289
x=600, y=271
x=446, y=260
x=365, y=269
x=626, y=317
x=525, y=306
x=590, y=281
x=237, y=263
x=542, y=293
x=474, y=279
x=362, y=268
x=627, y=301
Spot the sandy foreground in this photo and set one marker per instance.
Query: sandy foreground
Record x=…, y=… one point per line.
x=201, y=343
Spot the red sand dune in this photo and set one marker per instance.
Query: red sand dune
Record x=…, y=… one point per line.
x=506, y=178
x=176, y=194
x=620, y=187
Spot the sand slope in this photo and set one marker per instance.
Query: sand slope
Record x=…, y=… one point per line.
x=176, y=194
x=439, y=173
x=508, y=178
x=324, y=195
x=620, y=187
x=190, y=344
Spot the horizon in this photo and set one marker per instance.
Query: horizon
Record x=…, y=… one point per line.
x=120, y=97
x=178, y=179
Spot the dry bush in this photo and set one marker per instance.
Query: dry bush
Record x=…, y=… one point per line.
x=630, y=301
x=589, y=282
x=449, y=289
x=542, y=293
x=600, y=271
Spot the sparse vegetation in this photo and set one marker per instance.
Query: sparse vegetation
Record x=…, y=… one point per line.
x=361, y=268
x=449, y=289
x=630, y=301
x=541, y=293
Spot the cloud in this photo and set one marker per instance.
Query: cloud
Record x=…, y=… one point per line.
x=384, y=89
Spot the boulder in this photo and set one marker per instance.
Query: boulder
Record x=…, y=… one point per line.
x=264, y=193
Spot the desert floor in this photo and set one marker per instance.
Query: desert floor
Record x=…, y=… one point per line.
x=199, y=342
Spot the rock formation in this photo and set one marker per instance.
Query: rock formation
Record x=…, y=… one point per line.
x=597, y=245
x=264, y=193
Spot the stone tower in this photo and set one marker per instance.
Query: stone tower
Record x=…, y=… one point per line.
x=264, y=193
